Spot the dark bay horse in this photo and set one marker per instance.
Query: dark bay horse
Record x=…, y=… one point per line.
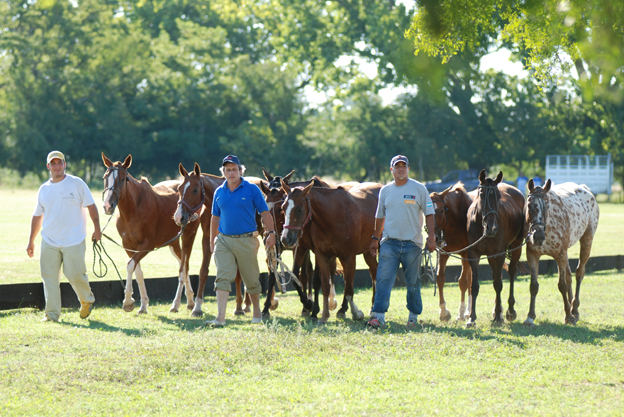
x=333, y=223
x=495, y=226
x=557, y=218
x=144, y=224
x=302, y=265
x=451, y=213
x=195, y=195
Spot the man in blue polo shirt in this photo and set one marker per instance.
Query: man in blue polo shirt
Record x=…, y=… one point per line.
x=234, y=236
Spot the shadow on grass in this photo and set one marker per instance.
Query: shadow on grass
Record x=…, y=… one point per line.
x=577, y=334
x=101, y=326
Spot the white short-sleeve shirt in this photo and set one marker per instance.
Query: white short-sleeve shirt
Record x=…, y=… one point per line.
x=63, y=206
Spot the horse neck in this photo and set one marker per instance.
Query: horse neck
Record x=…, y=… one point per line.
x=458, y=208
x=134, y=194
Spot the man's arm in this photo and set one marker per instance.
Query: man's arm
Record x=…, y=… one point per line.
x=376, y=237
x=95, y=218
x=214, y=231
x=431, y=241
x=35, y=227
x=269, y=229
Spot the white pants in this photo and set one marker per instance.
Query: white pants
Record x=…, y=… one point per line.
x=73, y=260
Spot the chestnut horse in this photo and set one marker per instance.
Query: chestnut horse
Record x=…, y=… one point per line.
x=194, y=195
x=333, y=223
x=495, y=227
x=557, y=218
x=451, y=213
x=302, y=265
x=144, y=224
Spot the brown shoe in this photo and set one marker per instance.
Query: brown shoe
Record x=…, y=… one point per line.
x=85, y=309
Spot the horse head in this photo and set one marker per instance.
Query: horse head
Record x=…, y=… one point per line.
x=191, y=196
x=115, y=179
x=297, y=212
x=274, y=196
x=440, y=214
x=535, y=212
x=488, y=197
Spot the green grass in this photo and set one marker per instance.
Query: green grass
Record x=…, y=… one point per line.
x=18, y=204
x=164, y=364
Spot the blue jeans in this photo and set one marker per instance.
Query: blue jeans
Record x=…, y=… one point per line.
x=391, y=253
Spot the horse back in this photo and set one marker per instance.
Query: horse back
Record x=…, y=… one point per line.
x=572, y=210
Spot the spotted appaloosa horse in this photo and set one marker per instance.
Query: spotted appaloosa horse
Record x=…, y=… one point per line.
x=333, y=223
x=195, y=194
x=145, y=223
x=451, y=213
x=557, y=218
x=495, y=226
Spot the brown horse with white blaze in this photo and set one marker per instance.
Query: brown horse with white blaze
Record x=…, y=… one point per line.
x=144, y=224
x=557, y=217
x=333, y=223
x=495, y=226
x=451, y=213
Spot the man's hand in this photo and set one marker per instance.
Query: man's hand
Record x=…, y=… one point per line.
x=431, y=243
x=97, y=235
x=373, y=248
x=269, y=240
x=30, y=249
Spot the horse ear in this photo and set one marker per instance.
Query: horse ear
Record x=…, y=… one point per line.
x=482, y=176
x=285, y=186
x=287, y=177
x=107, y=162
x=499, y=177
x=182, y=170
x=128, y=161
x=445, y=192
x=531, y=185
x=197, y=169
x=268, y=176
x=264, y=188
x=307, y=188
x=547, y=185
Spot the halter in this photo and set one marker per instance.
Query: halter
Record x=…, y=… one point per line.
x=116, y=191
x=541, y=204
x=307, y=219
x=490, y=191
x=194, y=209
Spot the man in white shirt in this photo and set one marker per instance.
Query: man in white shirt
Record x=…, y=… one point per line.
x=402, y=206
x=61, y=216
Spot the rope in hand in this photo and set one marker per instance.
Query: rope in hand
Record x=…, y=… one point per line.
x=98, y=248
x=427, y=264
x=275, y=263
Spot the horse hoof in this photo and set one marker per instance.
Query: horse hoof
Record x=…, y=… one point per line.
x=570, y=320
x=529, y=322
x=173, y=310
x=274, y=304
x=190, y=306
x=266, y=316
x=247, y=309
x=497, y=322
x=305, y=312
x=510, y=315
x=239, y=312
x=332, y=305
x=445, y=315
x=128, y=307
x=197, y=313
x=470, y=324
x=142, y=311
x=341, y=314
x=357, y=315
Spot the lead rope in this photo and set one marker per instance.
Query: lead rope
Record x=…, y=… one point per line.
x=427, y=265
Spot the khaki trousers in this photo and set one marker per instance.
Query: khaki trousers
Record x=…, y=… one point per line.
x=237, y=253
x=73, y=260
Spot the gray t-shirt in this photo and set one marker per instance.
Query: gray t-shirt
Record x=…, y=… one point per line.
x=404, y=208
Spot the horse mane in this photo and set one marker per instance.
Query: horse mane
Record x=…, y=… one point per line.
x=458, y=186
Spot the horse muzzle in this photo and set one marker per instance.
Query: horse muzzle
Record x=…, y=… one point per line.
x=289, y=238
x=109, y=209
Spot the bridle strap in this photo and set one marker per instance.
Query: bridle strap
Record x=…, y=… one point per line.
x=196, y=208
x=307, y=219
x=489, y=190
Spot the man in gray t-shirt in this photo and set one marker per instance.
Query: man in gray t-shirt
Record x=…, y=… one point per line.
x=398, y=232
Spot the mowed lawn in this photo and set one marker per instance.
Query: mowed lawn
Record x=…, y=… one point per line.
x=165, y=364
x=161, y=363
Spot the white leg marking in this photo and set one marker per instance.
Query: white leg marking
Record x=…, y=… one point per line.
x=128, y=302
x=138, y=272
x=356, y=313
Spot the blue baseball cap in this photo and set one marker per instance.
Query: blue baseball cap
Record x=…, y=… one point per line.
x=231, y=159
x=399, y=158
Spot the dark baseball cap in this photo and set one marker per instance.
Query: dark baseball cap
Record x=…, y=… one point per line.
x=231, y=159
x=398, y=158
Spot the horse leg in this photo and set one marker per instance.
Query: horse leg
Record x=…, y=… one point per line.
x=266, y=315
x=445, y=315
x=586, y=244
x=138, y=272
x=175, y=305
x=128, y=302
x=238, y=282
x=371, y=261
x=187, y=247
x=203, y=275
x=323, y=265
x=565, y=284
x=496, y=265
x=465, y=281
x=332, y=287
x=474, y=264
x=533, y=261
x=316, y=281
x=511, y=315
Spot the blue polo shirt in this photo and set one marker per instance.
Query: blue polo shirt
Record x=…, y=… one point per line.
x=237, y=209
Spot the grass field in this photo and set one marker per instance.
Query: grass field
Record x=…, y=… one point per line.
x=17, y=207
x=164, y=364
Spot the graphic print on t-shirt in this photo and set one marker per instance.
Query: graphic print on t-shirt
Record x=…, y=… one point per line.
x=409, y=199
